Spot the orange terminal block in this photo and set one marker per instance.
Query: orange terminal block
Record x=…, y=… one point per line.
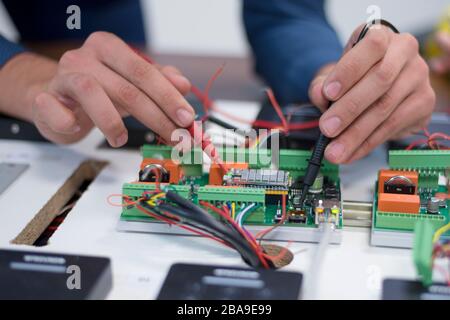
x=399, y=203
x=385, y=175
x=216, y=172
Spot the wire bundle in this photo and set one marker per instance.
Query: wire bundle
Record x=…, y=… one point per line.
x=431, y=141
x=171, y=208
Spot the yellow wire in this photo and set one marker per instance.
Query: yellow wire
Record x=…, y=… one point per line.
x=440, y=232
x=152, y=201
x=233, y=210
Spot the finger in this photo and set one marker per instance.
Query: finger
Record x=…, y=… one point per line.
x=346, y=144
x=49, y=111
x=135, y=102
x=373, y=85
x=413, y=112
x=143, y=75
x=177, y=79
x=356, y=63
x=92, y=98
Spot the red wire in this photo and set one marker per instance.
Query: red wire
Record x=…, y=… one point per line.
x=211, y=81
x=277, y=108
x=431, y=140
x=208, y=104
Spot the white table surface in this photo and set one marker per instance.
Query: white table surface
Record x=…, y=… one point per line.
x=352, y=270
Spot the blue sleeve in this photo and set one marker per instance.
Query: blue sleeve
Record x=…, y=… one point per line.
x=291, y=40
x=8, y=50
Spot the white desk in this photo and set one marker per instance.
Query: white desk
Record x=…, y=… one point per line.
x=141, y=261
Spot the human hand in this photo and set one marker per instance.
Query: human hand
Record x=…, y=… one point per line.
x=380, y=90
x=104, y=81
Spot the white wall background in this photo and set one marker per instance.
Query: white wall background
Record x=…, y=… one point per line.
x=213, y=27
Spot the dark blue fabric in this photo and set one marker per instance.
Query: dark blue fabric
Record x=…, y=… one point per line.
x=8, y=50
x=45, y=20
x=291, y=40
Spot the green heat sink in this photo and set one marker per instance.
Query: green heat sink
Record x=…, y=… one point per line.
x=238, y=195
x=402, y=221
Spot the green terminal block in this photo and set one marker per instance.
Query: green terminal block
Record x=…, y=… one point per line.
x=135, y=190
x=423, y=251
x=238, y=195
x=405, y=221
x=420, y=160
x=296, y=161
x=428, y=163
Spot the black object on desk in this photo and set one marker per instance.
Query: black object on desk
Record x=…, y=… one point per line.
x=42, y=276
x=396, y=289
x=202, y=282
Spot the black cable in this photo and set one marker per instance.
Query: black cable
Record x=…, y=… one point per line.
x=188, y=211
x=315, y=162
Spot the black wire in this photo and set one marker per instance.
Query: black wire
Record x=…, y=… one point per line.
x=372, y=23
x=189, y=212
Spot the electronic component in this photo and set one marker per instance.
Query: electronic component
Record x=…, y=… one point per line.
x=238, y=195
x=402, y=203
x=317, y=186
x=216, y=173
x=199, y=282
x=327, y=211
x=433, y=205
x=168, y=170
x=154, y=173
x=395, y=214
x=44, y=276
x=263, y=178
x=295, y=216
x=250, y=192
x=392, y=181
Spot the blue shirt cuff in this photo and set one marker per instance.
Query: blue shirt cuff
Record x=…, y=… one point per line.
x=8, y=50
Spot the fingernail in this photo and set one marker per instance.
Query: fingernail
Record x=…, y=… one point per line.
x=122, y=139
x=185, y=117
x=335, y=151
x=332, y=90
x=331, y=126
x=182, y=78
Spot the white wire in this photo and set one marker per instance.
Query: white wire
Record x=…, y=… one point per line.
x=312, y=277
x=242, y=213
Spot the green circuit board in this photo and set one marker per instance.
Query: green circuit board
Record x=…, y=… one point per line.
x=432, y=167
x=264, y=194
